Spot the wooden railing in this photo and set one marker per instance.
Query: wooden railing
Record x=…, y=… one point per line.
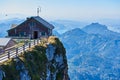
x=16, y=51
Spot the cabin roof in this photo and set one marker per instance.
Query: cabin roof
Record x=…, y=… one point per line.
x=4, y=41
x=40, y=20
x=45, y=23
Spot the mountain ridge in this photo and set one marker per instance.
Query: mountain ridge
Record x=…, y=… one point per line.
x=91, y=56
x=96, y=28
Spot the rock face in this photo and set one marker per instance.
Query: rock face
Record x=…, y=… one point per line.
x=2, y=74
x=57, y=67
x=23, y=72
x=47, y=61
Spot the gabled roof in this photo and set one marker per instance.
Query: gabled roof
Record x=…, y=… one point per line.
x=42, y=21
x=4, y=41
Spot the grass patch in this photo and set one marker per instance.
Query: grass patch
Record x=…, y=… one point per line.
x=34, y=61
x=10, y=71
x=57, y=43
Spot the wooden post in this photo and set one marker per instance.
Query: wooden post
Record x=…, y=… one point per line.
x=37, y=41
x=34, y=42
x=8, y=54
x=23, y=48
x=16, y=51
x=30, y=45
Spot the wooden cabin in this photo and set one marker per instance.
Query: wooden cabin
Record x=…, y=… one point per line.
x=33, y=27
x=6, y=43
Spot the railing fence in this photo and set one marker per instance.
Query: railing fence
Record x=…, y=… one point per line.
x=14, y=52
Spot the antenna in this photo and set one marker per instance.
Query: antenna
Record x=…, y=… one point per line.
x=38, y=10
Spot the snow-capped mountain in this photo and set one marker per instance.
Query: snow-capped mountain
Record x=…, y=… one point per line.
x=92, y=56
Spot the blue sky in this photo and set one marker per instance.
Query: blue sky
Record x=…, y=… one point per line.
x=63, y=9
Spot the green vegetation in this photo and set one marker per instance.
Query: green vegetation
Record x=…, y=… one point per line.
x=10, y=70
x=59, y=47
x=57, y=43
x=59, y=50
x=59, y=76
x=34, y=61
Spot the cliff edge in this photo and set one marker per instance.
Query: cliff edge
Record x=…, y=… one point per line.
x=46, y=61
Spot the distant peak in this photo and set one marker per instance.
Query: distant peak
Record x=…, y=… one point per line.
x=95, y=23
x=76, y=31
x=96, y=26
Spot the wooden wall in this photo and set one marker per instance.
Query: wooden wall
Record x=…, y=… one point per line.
x=27, y=28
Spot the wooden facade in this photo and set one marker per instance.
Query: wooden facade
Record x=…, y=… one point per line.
x=33, y=27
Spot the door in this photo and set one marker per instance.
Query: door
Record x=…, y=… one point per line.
x=35, y=34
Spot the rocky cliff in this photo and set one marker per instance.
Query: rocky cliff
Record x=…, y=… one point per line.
x=47, y=61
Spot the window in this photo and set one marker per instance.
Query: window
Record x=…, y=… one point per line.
x=43, y=33
x=49, y=31
x=15, y=31
x=22, y=34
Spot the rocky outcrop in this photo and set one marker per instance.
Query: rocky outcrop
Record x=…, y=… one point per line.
x=2, y=74
x=23, y=72
x=57, y=68
x=47, y=61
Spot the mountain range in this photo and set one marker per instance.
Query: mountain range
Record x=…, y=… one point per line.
x=92, y=51
x=96, y=28
x=64, y=25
